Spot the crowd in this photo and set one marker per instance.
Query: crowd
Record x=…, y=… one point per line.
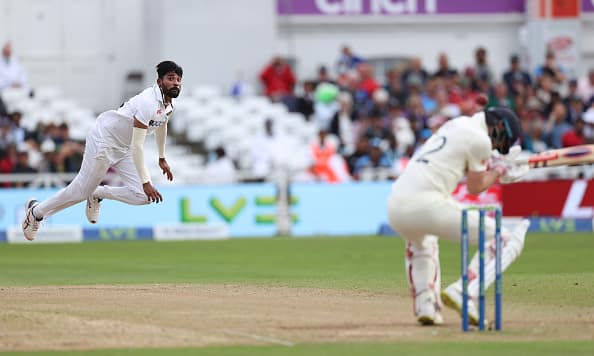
x=47, y=149
x=368, y=127
x=378, y=124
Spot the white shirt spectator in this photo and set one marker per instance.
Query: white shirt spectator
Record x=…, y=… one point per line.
x=220, y=171
x=585, y=88
x=11, y=71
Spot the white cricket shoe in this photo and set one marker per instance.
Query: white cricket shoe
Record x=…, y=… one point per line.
x=30, y=223
x=93, y=206
x=452, y=298
x=426, y=309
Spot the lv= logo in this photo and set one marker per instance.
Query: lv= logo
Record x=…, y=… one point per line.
x=229, y=213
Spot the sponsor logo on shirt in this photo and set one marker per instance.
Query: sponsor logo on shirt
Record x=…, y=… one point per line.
x=155, y=123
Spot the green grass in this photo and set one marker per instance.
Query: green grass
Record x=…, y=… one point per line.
x=554, y=269
x=362, y=349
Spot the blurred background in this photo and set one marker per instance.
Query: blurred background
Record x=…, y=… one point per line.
x=290, y=91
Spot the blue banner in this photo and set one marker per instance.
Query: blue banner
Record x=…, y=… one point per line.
x=545, y=224
x=117, y=234
x=339, y=209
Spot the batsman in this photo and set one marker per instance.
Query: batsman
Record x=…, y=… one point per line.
x=421, y=207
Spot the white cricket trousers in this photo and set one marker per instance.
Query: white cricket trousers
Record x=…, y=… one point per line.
x=422, y=217
x=97, y=159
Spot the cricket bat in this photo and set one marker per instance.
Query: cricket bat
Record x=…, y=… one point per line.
x=567, y=156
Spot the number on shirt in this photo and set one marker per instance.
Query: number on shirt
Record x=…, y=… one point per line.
x=440, y=141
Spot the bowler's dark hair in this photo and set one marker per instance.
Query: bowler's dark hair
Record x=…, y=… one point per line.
x=168, y=66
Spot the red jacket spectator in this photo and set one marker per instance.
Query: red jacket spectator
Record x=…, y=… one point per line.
x=278, y=78
x=368, y=83
x=576, y=136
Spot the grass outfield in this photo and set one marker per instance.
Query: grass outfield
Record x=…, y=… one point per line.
x=554, y=270
x=547, y=348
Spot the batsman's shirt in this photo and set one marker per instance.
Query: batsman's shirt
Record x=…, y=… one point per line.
x=115, y=126
x=460, y=145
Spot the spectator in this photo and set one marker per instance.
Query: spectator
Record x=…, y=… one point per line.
x=361, y=149
x=556, y=125
x=12, y=75
x=69, y=153
x=500, y=97
x=220, y=170
x=515, y=75
x=482, y=70
x=17, y=131
x=48, y=163
x=375, y=165
x=351, y=83
x=342, y=124
x=379, y=103
x=305, y=102
x=551, y=69
x=328, y=166
x=443, y=67
x=7, y=137
x=574, y=137
x=544, y=91
x=572, y=92
x=262, y=153
x=368, y=83
x=378, y=129
x=347, y=60
x=394, y=85
x=7, y=161
x=585, y=87
x=416, y=114
x=415, y=75
x=429, y=95
x=533, y=139
x=278, y=79
x=32, y=146
x=22, y=166
x=324, y=76
x=325, y=106
x=575, y=108
x=403, y=134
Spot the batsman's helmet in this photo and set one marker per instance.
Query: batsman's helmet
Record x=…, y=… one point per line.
x=506, y=127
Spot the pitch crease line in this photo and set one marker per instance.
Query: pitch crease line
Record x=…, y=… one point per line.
x=270, y=340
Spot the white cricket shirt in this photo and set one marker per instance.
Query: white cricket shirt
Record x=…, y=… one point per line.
x=115, y=126
x=460, y=145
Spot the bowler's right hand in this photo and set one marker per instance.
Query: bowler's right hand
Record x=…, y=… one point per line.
x=153, y=194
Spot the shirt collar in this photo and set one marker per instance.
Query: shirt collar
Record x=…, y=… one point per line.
x=159, y=96
x=158, y=93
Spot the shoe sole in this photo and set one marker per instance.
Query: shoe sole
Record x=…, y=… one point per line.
x=26, y=211
x=426, y=320
x=451, y=303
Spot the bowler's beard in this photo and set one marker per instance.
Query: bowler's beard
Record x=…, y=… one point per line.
x=172, y=92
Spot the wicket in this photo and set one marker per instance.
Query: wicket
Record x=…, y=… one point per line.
x=481, y=251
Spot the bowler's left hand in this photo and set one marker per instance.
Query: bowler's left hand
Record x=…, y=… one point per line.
x=165, y=168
